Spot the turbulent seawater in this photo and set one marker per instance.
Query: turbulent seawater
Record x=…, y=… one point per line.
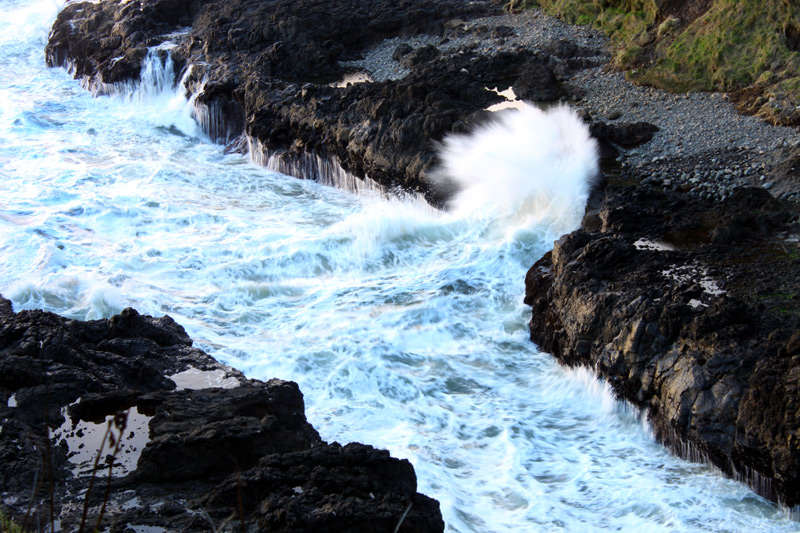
x=404, y=326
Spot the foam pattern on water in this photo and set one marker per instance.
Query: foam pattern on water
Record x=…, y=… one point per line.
x=403, y=325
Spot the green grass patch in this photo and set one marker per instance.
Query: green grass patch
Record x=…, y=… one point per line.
x=622, y=20
x=729, y=47
x=628, y=56
x=7, y=525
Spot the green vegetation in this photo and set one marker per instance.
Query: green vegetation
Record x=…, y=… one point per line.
x=750, y=48
x=7, y=525
x=519, y=5
x=730, y=47
x=623, y=20
x=785, y=303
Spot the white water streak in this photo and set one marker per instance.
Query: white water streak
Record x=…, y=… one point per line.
x=324, y=170
x=404, y=328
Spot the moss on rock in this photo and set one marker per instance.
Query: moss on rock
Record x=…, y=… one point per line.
x=750, y=48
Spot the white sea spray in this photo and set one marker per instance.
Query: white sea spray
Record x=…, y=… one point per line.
x=533, y=166
x=404, y=326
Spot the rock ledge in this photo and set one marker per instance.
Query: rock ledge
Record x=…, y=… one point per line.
x=241, y=457
x=691, y=310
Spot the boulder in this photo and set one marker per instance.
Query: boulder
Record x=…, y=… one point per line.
x=698, y=332
x=181, y=458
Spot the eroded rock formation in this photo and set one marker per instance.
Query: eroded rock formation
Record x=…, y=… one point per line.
x=224, y=458
x=691, y=310
x=265, y=69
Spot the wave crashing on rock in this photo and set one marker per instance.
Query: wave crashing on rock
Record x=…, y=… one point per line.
x=530, y=164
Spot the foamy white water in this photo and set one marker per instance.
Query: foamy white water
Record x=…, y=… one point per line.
x=404, y=328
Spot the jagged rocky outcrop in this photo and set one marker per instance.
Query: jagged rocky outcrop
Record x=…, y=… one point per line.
x=691, y=310
x=265, y=69
x=700, y=332
x=192, y=457
x=385, y=130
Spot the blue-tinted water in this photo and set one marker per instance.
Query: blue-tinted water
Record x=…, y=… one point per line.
x=404, y=326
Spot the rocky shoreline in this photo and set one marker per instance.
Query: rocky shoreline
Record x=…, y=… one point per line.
x=197, y=446
x=680, y=288
x=688, y=308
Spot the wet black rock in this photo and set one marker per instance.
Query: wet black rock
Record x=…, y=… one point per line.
x=537, y=82
x=332, y=488
x=208, y=454
x=421, y=56
x=626, y=135
x=699, y=331
x=385, y=130
x=401, y=51
x=195, y=434
x=108, y=42
x=265, y=69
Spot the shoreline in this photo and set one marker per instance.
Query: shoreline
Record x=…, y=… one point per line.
x=690, y=158
x=699, y=134
x=191, y=444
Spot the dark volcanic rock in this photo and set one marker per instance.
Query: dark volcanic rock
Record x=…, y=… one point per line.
x=401, y=51
x=537, y=82
x=299, y=39
x=699, y=331
x=262, y=68
x=358, y=488
x=304, y=39
x=624, y=135
x=208, y=454
x=611, y=137
x=108, y=42
x=196, y=434
x=785, y=174
x=384, y=130
x=420, y=56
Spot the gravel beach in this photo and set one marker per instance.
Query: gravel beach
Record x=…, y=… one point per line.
x=704, y=147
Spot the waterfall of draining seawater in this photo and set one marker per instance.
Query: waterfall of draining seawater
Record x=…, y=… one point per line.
x=403, y=326
x=324, y=170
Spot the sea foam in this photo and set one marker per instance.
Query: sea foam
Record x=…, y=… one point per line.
x=535, y=165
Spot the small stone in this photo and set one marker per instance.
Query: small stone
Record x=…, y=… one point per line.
x=454, y=24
